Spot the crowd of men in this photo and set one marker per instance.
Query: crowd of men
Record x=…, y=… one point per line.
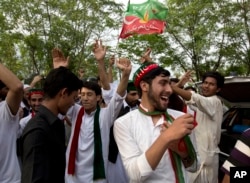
x=79, y=131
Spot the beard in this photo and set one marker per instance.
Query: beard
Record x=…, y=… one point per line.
x=155, y=101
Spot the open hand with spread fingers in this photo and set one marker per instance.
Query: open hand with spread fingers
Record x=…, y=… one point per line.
x=59, y=59
x=99, y=50
x=124, y=65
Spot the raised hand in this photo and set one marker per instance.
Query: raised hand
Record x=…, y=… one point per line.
x=35, y=80
x=99, y=50
x=187, y=77
x=59, y=59
x=146, y=56
x=124, y=65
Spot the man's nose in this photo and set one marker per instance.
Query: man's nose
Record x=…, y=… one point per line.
x=168, y=88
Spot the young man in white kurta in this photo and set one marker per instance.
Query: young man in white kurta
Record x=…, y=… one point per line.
x=209, y=114
x=35, y=98
x=84, y=160
x=85, y=152
x=134, y=134
x=146, y=136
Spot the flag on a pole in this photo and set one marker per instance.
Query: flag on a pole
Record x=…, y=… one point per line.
x=146, y=18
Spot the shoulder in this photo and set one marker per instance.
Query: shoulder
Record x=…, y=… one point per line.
x=4, y=108
x=214, y=99
x=128, y=115
x=25, y=119
x=74, y=109
x=34, y=124
x=5, y=113
x=127, y=121
x=174, y=113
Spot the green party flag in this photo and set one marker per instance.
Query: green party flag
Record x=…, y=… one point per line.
x=146, y=18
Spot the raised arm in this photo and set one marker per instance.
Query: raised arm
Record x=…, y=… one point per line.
x=35, y=80
x=186, y=95
x=125, y=66
x=110, y=68
x=99, y=52
x=15, y=93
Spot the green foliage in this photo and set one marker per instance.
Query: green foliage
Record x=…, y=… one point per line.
x=31, y=29
x=201, y=35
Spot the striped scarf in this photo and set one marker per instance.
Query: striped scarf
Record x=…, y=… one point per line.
x=99, y=170
x=185, y=144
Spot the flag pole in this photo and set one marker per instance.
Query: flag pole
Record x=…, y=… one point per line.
x=117, y=45
x=117, y=53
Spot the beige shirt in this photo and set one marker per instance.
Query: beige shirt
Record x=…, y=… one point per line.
x=209, y=116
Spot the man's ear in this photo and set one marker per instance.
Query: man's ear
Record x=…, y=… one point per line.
x=64, y=92
x=218, y=90
x=144, y=86
x=98, y=98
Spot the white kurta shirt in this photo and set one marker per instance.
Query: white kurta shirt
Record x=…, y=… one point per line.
x=9, y=166
x=85, y=152
x=209, y=116
x=23, y=122
x=134, y=134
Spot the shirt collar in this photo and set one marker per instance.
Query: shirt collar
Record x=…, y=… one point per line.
x=125, y=104
x=48, y=115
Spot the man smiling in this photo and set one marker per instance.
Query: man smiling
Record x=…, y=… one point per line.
x=209, y=117
x=149, y=138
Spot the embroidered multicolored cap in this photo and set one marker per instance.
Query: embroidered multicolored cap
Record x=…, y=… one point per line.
x=145, y=68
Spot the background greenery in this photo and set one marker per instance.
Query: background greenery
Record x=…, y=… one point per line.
x=201, y=35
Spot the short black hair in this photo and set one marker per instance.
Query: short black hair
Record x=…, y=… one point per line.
x=93, y=86
x=131, y=86
x=217, y=76
x=58, y=79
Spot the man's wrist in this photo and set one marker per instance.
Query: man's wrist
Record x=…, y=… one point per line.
x=179, y=85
